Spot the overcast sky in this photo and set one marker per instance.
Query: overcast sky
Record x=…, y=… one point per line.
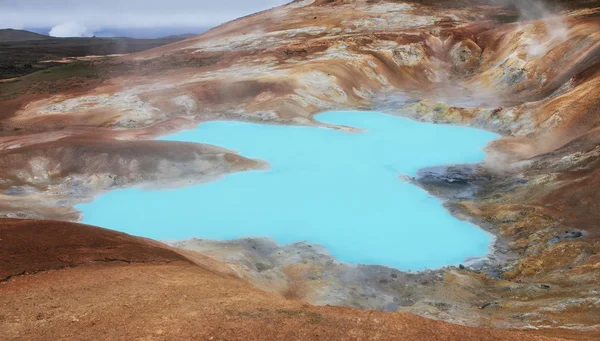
x=87, y=17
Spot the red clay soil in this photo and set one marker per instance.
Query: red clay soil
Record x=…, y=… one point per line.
x=68, y=281
x=29, y=247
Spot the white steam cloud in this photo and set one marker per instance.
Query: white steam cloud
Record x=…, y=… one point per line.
x=71, y=29
x=556, y=26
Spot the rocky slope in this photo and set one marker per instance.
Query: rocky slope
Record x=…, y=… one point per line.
x=518, y=71
x=63, y=281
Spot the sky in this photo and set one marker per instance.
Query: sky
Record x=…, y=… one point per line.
x=137, y=18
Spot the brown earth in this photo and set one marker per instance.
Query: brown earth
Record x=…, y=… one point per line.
x=63, y=281
x=533, y=79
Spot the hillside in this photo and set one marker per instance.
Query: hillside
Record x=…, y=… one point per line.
x=20, y=57
x=10, y=35
x=63, y=281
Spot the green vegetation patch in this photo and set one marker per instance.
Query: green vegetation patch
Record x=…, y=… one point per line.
x=51, y=80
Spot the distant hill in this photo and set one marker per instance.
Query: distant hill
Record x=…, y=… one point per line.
x=25, y=56
x=10, y=35
x=181, y=36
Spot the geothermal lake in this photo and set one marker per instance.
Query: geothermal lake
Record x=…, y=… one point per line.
x=329, y=187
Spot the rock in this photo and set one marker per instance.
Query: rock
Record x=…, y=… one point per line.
x=465, y=55
x=450, y=176
x=260, y=267
x=495, y=305
x=574, y=234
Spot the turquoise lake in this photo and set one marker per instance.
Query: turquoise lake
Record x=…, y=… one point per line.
x=325, y=186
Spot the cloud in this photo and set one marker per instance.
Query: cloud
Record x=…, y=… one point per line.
x=127, y=13
x=71, y=29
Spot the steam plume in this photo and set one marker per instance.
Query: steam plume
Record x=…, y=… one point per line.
x=71, y=29
x=556, y=27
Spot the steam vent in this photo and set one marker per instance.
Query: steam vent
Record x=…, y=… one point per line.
x=322, y=170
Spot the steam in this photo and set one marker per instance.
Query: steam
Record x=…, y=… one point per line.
x=71, y=29
x=555, y=25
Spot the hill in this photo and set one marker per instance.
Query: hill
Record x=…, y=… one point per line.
x=65, y=281
x=19, y=57
x=10, y=35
